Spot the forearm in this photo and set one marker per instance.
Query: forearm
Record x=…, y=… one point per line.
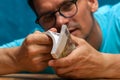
x=8, y=63
x=112, y=66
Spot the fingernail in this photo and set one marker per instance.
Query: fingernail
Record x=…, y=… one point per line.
x=51, y=63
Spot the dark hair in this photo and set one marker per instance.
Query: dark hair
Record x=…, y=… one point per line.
x=30, y=2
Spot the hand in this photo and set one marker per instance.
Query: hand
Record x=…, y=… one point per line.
x=34, y=53
x=83, y=62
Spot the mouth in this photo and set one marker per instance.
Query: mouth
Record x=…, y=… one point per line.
x=72, y=30
x=73, y=27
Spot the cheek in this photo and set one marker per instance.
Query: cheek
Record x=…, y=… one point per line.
x=83, y=15
x=85, y=22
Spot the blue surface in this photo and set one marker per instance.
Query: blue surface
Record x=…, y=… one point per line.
x=16, y=20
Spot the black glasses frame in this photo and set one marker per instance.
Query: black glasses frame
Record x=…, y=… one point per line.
x=58, y=10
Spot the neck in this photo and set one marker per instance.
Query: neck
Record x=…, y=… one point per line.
x=95, y=37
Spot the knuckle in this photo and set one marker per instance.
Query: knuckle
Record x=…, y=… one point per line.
x=28, y=40
x=32, y=51
x=82, y=41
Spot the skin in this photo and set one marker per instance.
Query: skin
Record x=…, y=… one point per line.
x=32, y=56
x=85, y=61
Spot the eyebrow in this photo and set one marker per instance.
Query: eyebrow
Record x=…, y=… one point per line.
x=51, y=11
x=45, y=13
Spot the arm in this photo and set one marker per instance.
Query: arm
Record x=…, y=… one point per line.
x=87, y=62
x=8, y=61
x=31, y=56
x=112, y=68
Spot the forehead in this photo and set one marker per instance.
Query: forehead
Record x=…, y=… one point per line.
x=44, y=5
x=47, y=2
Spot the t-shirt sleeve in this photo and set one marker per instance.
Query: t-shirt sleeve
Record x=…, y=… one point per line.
x=15, y=43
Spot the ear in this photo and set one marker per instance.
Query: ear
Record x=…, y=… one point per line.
x=93, y=5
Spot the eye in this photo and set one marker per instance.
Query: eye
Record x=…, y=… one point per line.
x=47, y=18
x=67, y=7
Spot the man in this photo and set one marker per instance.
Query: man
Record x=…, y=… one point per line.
x=94, y=36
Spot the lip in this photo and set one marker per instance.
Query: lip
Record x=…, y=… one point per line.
x=72, y=30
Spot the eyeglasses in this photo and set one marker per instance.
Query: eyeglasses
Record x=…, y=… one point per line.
x=67, y=10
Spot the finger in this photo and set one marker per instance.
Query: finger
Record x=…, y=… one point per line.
x=77, y=41
x=62, y=62
x=37, y=32
x=53, y=29
x=68, y=75
x=38, y=38
x=41, y=66
x=42, y=58
x=74, y=74
x=62, y=71
x=69, y=60
x=39, y=50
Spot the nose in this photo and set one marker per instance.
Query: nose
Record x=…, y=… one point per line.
x=60, y=20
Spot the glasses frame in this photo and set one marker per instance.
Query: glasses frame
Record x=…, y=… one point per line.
x=58, y=10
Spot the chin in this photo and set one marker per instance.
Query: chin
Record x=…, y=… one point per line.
x=79, y=35
x=76, y=33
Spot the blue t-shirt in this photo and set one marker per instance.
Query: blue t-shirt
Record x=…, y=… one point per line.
x=108, y=17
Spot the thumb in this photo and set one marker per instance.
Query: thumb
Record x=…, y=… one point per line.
x=77, y=41
x=53, y=29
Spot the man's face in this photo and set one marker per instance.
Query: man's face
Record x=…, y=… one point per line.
x=80, y=25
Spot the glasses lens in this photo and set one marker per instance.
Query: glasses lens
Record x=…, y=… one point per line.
x=69, y=9
x=47, y=21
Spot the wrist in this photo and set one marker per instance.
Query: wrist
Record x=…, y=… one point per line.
x=14, y=53
x=8, y=62
x=112, y=66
